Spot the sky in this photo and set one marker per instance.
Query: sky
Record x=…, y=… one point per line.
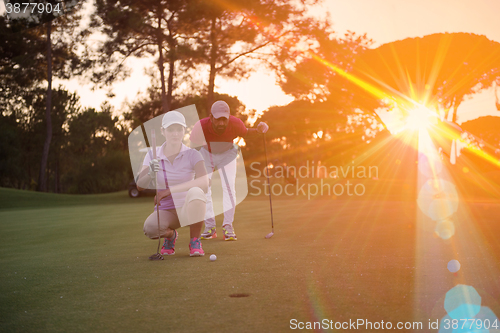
x=383, y=21
x=388, y=20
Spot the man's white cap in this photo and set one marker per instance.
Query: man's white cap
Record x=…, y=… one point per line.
x=173, y=117
x=220, y=109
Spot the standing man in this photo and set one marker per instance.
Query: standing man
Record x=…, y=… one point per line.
x=216, y=133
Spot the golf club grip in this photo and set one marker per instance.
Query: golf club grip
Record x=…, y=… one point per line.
x=153, y=142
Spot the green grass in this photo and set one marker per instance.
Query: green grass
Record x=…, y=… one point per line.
x=16, y=199
x=80, y=264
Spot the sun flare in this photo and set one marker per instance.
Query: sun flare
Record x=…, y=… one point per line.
x=419, y=118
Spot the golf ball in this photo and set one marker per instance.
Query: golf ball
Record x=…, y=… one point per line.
x=213, y=257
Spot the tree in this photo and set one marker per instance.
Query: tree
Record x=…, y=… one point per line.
x=193, y=34
x=486, y=129
x=236, y=30
x=159, y=28
x=97, y=153
x=64, y=106
x=21, y=63
x=438, y=69
x=318, y=67
x=23, y=137
x=33, y=53
x=315, y=132
x=325, y=121
x=485, y=133
x=10, y=152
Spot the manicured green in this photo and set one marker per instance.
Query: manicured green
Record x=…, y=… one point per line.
x=80, y=264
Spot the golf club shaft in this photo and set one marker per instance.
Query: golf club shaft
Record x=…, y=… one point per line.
x=268, y=183
x=225, y=178
x=228, y=187
x=153, y=141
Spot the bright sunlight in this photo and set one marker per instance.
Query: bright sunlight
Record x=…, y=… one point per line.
x=419, y=118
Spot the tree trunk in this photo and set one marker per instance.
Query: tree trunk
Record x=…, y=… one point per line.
x=446, y=112
x=497, y=99
x=42, y=179
x=454, y=118
x=164, y=101
x=171, y=73
x=454, y=112
x=28, y=182
x=213, y=59
x=57, y=177
x=379, y=120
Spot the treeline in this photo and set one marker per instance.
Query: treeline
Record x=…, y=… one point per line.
x=88, y=154
x=51, y=142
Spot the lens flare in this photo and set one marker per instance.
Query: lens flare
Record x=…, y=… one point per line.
x=462, y=302
x=453, y=266
x=419, y=118
x=445, y=229
x=438, y=199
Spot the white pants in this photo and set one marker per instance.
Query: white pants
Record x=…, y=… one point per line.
x=226, y=164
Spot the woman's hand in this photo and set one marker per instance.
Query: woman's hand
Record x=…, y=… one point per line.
x=162, y=194
x=154, y=167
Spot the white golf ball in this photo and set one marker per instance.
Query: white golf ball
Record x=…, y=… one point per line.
x=213, y=257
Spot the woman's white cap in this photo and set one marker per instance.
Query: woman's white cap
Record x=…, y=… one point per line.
x=173, y=117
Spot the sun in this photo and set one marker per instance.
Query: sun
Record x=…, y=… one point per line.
x=419, y=118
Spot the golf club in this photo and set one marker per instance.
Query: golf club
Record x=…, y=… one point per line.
x=269, y=235
x=157, y=255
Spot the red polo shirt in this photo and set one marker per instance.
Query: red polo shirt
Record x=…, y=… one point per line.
x=203, y=132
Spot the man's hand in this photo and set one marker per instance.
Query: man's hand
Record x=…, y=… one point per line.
x=154, y=166
x=262, y=128
x=162, y=194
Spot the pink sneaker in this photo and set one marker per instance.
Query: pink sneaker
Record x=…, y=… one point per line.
x=195, y=249
x=168, y=247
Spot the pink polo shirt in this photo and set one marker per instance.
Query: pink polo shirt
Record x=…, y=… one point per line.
x=178, y=172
